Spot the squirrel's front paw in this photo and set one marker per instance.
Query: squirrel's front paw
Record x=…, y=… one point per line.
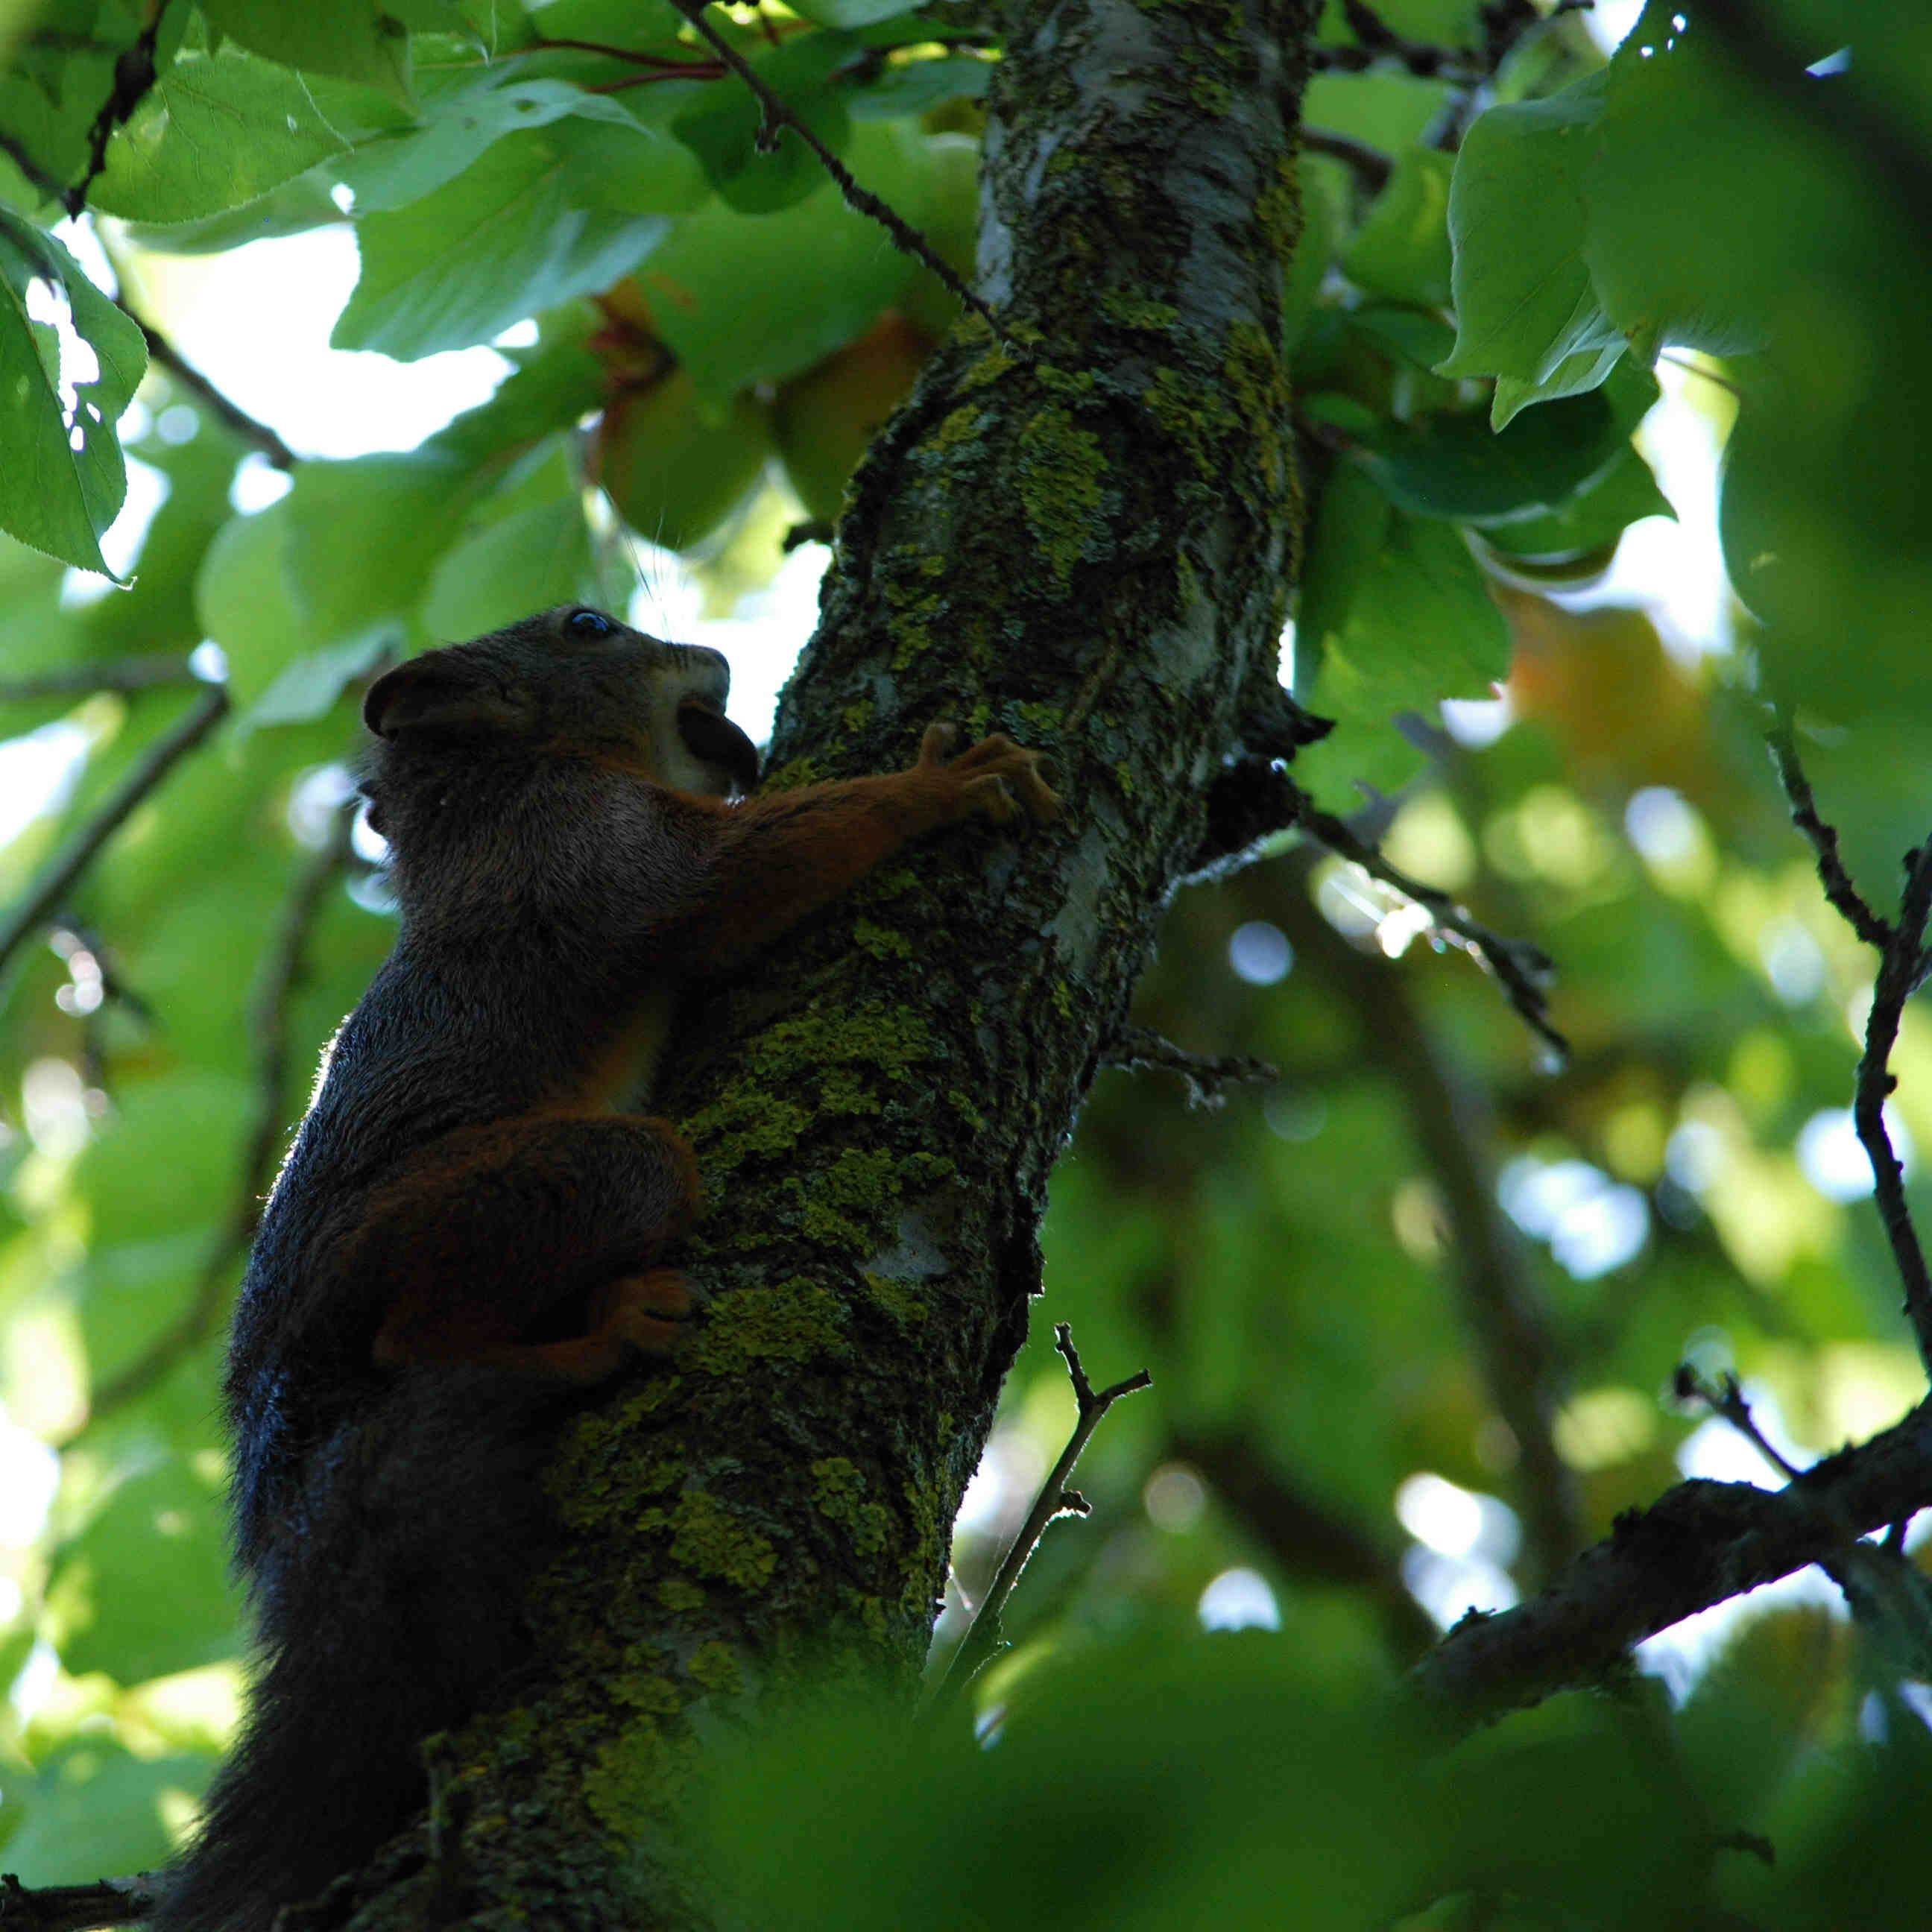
x=996, y=778
x=645, y=1310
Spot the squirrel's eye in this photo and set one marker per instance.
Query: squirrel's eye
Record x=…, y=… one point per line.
x=589, y=624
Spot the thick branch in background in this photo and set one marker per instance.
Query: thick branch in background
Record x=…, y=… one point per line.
x=1089, y=548
x=1697, y=1545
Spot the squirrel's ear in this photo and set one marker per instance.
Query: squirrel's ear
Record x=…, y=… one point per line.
x=424, y=696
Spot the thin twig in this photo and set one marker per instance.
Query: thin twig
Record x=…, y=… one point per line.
x=57, y=879
x=1055, y=1499
x=1134, y=1048
x=1898, y=974
x=1726, y=1402
x=1839, y=890
x=1523, y=971
x=281, y=969
x=1370, y=166
x=135, y=673
x=906, y=239
x=257, y=434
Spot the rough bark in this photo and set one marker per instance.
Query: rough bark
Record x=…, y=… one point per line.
x=1082, y=537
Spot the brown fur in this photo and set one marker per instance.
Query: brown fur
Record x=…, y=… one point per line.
x=466, y=1229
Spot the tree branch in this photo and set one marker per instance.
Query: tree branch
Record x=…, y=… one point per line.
x=1898, y=975
x=1843, y=896
x=1698, y=1544
x=78, y=1908
x=1055, y=1499
x=1523, y=971
x=126, y=674
x=1135, y=1047
x=57, y=879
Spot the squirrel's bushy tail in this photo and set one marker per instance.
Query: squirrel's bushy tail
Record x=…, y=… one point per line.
x=388, y=1611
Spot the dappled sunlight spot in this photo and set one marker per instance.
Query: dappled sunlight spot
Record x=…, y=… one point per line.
x=1457, y=1522
x=1418, y=1220
x=54, y=1106
x=33, y=1683
x=1174, y=1499
x=1550, y=834
x=1633, y=1137
x=1793, y=961
x=1859, y=1388
x=256, y=484
x=1673, y=841
x=1260, y=953
x=208, y=662
x=29, y=1475
x=314, y=800
x=1341, y=899
x=1476, y=723
x=1761, y=1071
x=38, y=771
x=1448, y=1587
x=1604, y=1427
x=1833, y=1159
x=1429, y=841
x=1238, y=1599
x=1765, y=1214
x=1592, y=1223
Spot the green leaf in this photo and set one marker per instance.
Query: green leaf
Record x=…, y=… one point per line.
x=363, y=535
x=296, y=207
x=554, y=385
x=64, y=480
x=167, y=1524
x=917, y=86
x=710, y=282
x=631, y=165
x=1688, y=241
x=1599, y=511
x=210, y=135
x=1518, y=220
x=243, y=597
x=1422, y=625
x=1402, y=252
x=498, y=243
x=853, y=13
x=1324, y=201
x=95, y=1793
x=1389, y=111
x=354, y=39
x=1457, y=467
x=1348, y=533
x=531, y=551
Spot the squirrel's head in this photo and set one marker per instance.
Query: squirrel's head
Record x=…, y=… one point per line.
x=576, y=680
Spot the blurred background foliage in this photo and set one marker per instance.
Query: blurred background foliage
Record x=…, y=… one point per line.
x=1414, y=1309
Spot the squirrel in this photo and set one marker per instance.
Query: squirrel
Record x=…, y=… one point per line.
x=467, y=1231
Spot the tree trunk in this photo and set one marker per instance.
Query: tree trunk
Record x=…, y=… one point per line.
x=1081, y=537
